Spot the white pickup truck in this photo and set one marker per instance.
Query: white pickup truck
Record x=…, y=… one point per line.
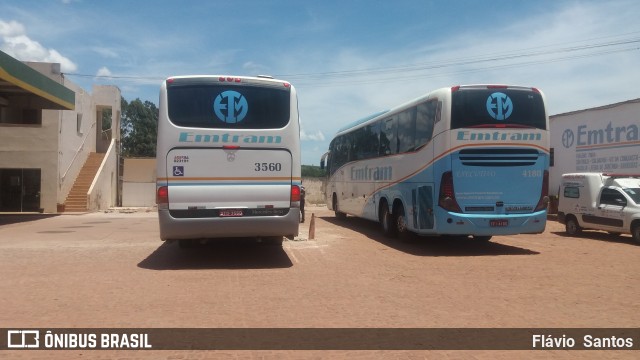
x=600, y=201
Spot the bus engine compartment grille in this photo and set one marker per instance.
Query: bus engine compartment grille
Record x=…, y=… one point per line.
x=498, y=157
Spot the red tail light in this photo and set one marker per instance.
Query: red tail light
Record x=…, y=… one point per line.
x=295, y=193
x=544, y=194
x=162, y=196
x=447, y=198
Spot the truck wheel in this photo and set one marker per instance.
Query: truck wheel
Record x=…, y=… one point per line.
x=572, y=227
x=635, y=233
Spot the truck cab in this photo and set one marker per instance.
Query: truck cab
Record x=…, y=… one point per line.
x=600, y=201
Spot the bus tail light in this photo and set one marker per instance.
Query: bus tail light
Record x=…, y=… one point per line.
x=447, y=198
x=295, y=196
x=544, y=193
x=162, y=197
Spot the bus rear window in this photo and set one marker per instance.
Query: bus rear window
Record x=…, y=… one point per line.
x=228, y=106
x=497, y=107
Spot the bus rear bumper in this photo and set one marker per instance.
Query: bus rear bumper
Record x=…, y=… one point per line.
x=483, y=225
x=172, y=228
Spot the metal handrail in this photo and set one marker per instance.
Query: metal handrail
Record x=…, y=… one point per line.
x=78, y=152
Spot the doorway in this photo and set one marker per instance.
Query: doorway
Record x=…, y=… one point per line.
x=20, y=190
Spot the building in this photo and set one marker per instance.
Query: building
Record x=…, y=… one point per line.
x=601, y=139
x=58, y=149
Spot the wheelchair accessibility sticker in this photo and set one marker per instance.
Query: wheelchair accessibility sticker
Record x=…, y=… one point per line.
x=178, y=171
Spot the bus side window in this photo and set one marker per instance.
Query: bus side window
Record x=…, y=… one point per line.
x=388, y=137
x=339, y=153
x=407, y=130
x=426, y=117
x=366, y=142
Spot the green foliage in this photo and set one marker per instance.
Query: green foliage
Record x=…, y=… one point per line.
x=312, y=171
x=106, y=119
x=139, y=128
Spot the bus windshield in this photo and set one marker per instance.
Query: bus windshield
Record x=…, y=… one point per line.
x=215, y=106
x=497, y=108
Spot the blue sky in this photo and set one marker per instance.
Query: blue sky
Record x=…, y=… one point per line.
x=347, y=58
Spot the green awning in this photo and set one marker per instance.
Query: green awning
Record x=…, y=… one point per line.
x=18, y=79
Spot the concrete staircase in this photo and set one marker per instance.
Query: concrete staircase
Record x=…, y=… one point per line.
x=77, y=198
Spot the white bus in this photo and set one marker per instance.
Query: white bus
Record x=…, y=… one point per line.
x=228, y=158
x=466, y=160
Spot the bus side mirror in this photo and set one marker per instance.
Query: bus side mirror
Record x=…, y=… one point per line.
x=322, y=164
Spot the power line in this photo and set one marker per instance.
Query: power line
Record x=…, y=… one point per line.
x=544, y=55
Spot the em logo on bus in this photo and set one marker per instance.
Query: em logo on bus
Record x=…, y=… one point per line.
x=499, y=106
x=230, y=107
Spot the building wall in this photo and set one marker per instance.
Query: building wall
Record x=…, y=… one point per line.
x=35, y=147
x=106, y=97
x=102, y=194
x=77, y=139
x=313, y=191
x=60, y=145
x=139, y=182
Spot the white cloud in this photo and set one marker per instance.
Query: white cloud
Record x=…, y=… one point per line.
x=15, y=42
x=571, y=80
x=317, y=136
x=106, y=52
x=11, y=28
x=103, y=71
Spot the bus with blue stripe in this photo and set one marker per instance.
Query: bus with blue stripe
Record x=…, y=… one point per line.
x=464, y=161
x=228, y=158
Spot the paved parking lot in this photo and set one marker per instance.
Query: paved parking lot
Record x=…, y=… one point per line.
x=110, y=270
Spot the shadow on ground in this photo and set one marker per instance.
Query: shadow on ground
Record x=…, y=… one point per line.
x=6, y=219
x=432, y=245
x=218, y=254
x=599, y=236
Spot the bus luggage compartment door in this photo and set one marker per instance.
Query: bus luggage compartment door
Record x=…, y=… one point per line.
x=229, y=178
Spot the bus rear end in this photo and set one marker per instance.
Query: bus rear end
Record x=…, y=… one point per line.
x=228, y=158
x=495, y=179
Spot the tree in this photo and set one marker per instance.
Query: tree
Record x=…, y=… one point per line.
x=312, y=171
x=139, y=128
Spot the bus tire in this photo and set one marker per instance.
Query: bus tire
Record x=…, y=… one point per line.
x=340, y=215
x=572, y=227
x=389, y=226
x=401, y=223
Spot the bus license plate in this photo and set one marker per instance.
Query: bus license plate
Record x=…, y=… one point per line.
x=499, y=223
x=231, y=213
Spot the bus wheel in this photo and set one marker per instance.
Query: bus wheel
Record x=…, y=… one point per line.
x=401, y=224
x=389, y=223
x=572, y=227
x=339, y=214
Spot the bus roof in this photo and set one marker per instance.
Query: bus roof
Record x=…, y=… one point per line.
x=363, y=120
x=404, y=105
x=260, y=79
